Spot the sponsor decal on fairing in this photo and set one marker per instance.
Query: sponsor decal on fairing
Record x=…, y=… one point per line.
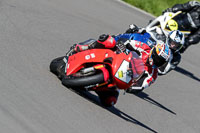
x=121, y=73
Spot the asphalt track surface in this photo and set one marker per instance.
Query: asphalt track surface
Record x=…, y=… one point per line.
x=32, y=100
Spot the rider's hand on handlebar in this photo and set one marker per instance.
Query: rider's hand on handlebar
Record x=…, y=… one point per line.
x=167, y=10
x=132, y=29
x=121, y=46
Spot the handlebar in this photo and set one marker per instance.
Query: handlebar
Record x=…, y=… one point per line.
x=122, y=48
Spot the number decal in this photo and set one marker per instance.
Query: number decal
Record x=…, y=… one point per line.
x=92, y=55
x=87, y=57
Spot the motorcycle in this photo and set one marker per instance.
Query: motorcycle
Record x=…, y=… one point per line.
x=160, y=27
x=101, y=70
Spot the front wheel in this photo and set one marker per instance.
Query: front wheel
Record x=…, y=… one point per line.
x=57, y=67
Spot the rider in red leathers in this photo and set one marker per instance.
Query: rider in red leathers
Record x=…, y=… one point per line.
x=151, y=71
x=153, y=56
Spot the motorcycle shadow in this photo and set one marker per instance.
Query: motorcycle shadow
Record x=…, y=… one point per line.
x=146, y=97
x=94, y=99
x=186, y=73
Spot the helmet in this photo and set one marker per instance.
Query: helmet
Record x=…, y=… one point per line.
x=176, y=40
x=159, y=54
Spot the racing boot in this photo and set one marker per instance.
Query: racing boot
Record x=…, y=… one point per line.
x=182, y=50
x=187, y=43
x=176, y=60
x=134, y=91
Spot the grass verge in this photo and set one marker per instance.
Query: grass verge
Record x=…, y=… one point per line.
x=155, y=7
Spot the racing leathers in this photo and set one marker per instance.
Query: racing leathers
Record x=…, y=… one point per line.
x=141, y=44
x=189, y=20
x=175, y=57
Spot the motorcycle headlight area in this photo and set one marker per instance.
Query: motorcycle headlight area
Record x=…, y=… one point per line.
x=65, y=59
x=123, y=73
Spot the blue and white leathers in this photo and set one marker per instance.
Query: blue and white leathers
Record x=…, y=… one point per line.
x=145, y=38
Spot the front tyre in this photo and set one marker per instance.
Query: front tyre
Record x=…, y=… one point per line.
x=57, y=67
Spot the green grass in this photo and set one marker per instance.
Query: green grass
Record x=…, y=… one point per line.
x=155, y=7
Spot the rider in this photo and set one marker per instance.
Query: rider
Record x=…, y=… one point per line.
x=175, y=40
x=153, y=56
x=190, y=20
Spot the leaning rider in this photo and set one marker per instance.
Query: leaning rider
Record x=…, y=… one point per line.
x=190, y=20
x=175, y=40
x=153, y=56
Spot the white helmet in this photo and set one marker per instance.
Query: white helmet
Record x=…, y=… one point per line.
x=176, y=40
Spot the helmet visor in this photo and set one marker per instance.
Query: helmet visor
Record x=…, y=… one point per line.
x=157, y=60
x=174, y=45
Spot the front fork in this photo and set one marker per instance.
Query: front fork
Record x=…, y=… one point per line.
x=94, y=69
x=97, y=67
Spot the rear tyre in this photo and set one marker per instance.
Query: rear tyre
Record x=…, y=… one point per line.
x=108, y=98
x=80, y=81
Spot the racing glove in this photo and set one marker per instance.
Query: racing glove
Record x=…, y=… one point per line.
x=167, y=10
x=132, y=29
x=121, y=46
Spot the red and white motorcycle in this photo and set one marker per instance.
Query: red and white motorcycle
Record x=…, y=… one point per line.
x=101, y=70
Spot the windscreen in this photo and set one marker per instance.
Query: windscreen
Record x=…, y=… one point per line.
x=136, y=65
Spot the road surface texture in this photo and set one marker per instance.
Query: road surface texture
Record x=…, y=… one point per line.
x=32, y=100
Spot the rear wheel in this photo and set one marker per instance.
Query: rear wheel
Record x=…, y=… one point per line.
x=108, y=98
x=79, y=80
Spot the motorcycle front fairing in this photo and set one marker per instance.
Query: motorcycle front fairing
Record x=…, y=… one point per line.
x=80, y=59
x=128, y=71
